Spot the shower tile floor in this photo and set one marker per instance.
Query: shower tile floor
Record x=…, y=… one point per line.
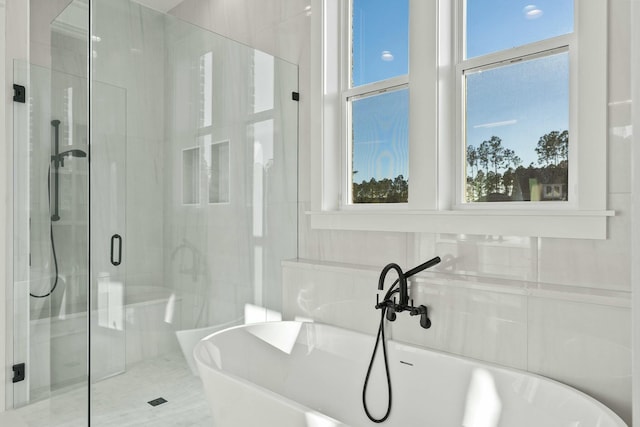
x=122, y=400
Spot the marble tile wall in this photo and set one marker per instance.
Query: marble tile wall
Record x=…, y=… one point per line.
x=130, y=57
x=221, y=256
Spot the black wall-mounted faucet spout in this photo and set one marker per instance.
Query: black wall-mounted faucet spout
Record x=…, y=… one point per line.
x=389, y=306
x=402, y=282
x=402, y=278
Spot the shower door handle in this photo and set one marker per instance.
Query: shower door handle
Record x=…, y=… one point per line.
x=115, y=261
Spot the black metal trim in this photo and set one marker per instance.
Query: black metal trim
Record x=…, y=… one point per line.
x=19, y=371
x=19, y=93
x=113, y=239
x=158, y=401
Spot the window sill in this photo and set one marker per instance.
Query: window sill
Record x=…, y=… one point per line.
x=534, y=223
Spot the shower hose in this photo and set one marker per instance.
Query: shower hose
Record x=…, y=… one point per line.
x=380, y=338
x=53, y=245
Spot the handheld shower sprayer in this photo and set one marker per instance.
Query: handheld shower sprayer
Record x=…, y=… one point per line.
x=70, y=153
x=58, y=161
x=57, y=158
x=388, y=309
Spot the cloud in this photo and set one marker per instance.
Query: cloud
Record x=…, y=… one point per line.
x=532, y=12
x=496, y=124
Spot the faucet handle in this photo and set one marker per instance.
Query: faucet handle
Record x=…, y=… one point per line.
x=391, y=314
x=425, y=322
x=379, y=304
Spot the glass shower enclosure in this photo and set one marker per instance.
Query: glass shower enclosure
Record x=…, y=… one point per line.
x=155, y=196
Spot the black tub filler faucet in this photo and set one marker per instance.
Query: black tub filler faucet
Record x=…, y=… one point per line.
x=404, y=304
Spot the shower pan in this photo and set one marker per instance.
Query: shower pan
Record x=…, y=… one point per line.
x=155, y=192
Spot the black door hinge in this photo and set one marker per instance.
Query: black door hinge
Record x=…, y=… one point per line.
x=18, y=372
x=295, y=96
x=19, y=93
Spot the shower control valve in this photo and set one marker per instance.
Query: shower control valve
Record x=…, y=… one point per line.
x=421, y=310
x=392, y=308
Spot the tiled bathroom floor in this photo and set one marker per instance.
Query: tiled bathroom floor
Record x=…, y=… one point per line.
x=122, y=400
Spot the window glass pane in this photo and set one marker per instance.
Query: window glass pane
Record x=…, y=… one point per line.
x=218, y=164
x=493, y=25
x=191, y=176
x=517, y=131
x=380, y=40
x=380, y=149
x=263, y=81
x=206, y=89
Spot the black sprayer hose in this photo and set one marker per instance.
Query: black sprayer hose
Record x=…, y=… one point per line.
x=386, y=368
x=53, y=245
x=379, y=337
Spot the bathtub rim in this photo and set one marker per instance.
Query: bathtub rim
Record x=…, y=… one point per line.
x=590, y=399
x=273, y=395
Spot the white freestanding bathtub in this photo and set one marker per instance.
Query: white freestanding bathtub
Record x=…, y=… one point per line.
x=289, y=374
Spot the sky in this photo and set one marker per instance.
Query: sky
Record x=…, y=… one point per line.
x=506, y=102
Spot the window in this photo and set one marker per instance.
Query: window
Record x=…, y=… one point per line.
x=191, y=176
x=379, y=147
x=217, y=159
x=515, y=73
x=496, y=25
x=376, y=101
x=490, y=108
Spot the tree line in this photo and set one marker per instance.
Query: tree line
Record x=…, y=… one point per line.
x=496, y=173
x=383, y=191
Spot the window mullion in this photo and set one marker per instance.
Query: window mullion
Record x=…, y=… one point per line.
x=424, y=112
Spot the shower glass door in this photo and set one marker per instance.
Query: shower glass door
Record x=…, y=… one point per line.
x=51, y=217
x=207, y=182
x=108, y=224
x=155, y=192
x=61, y=300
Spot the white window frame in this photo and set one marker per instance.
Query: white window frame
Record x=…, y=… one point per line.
x=435, y=162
